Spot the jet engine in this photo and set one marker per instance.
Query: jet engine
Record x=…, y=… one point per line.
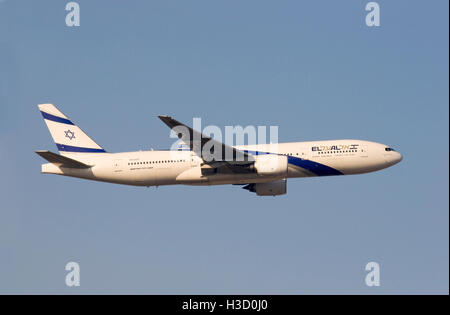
x=268, y=189
x=271, y=165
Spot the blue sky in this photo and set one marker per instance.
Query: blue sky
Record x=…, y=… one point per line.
x=312, y=67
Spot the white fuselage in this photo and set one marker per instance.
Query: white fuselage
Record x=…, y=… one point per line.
x=155, y=168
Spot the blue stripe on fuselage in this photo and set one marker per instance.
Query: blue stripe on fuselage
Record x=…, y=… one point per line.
x=56, y=118
x=314, y=167
x=69, y=148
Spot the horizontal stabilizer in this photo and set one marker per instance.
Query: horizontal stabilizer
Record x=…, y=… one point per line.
x=61, y=161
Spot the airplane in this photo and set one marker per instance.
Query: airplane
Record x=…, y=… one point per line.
x=260, y=168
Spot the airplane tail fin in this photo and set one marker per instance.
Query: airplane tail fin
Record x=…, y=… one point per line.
x=68, y=137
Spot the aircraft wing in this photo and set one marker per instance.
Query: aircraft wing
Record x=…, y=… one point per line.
x=61, y=161
x=213, y=152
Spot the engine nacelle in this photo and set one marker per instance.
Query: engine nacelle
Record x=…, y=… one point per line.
x=268, y=189
x=271, y=165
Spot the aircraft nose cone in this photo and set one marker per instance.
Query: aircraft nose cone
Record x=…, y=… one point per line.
x=394, y=158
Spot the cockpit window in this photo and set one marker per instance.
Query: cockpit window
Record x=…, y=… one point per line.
x=389, y=149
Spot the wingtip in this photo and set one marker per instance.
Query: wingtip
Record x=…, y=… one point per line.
x=169, y=121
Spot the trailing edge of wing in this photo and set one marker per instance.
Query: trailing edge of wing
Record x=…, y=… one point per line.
x=205, y=147
x=61, y=160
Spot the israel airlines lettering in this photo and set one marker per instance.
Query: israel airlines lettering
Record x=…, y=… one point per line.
x=263, y=169
x=339, y=147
